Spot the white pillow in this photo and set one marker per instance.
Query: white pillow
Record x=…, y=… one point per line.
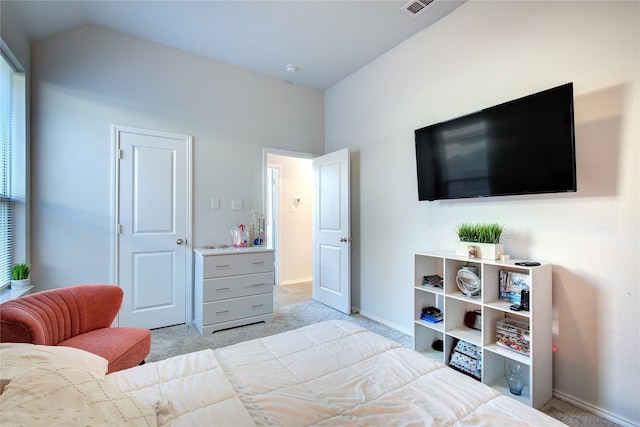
x=17, y=358
x=62, y=395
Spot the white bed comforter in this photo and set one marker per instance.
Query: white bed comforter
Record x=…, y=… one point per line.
x=328, y=374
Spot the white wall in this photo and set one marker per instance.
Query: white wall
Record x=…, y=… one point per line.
x=14, y=35
x=87, y=79
x=295, y=220
x=482, y=54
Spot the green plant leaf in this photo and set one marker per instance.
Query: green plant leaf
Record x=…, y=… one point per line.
x=479, y=233
x=20, y=271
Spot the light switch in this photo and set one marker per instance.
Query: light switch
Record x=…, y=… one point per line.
x=215, y=203
x=236, y=205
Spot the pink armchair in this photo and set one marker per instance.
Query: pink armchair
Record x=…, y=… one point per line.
x=77, y=316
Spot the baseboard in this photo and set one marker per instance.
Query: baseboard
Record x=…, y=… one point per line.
x=593, y=409
x=385, y=322
x=295, y=281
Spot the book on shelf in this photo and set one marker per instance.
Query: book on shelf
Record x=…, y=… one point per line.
x=431, y=319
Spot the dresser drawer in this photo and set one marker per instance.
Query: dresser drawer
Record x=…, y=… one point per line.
x=237, y=308
x=232, y=265
x=237, y=286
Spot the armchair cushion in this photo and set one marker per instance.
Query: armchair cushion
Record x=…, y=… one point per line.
x=123, y=347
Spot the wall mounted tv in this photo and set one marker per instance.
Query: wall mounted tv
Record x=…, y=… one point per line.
x=524, y=146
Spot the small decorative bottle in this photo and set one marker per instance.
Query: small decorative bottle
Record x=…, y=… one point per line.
x=253, y=228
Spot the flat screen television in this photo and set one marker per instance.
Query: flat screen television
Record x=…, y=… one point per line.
x=524, y=146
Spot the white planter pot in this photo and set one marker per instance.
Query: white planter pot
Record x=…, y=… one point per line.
x=20, y=284
x=483, y=250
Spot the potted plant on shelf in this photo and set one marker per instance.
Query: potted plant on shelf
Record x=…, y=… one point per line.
x=480, y=240
x=20, y=276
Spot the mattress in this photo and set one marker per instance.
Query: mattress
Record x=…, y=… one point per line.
x=332, y=373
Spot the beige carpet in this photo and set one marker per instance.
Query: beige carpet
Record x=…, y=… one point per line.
x=175, y=340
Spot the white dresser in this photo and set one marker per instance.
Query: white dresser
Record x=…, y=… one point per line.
x=233, y=287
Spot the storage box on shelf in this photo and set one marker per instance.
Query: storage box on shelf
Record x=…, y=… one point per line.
x=513, y=335
x=496, y=312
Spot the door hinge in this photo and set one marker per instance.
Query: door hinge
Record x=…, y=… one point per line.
x=119, y=228
x=120, y=154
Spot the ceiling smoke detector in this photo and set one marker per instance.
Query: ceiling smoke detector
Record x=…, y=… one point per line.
x=291, y=68
x=415, y=8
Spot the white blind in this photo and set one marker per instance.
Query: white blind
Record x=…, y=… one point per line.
x=12, y=164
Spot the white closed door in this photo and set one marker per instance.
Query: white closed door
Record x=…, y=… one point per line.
x=153, y=231
x=332, y=231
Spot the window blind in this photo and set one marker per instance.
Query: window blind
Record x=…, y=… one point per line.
x=12, y=165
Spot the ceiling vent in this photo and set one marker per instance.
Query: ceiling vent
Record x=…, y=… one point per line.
x=415, y=8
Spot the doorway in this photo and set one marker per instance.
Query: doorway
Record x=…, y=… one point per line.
x=288, y=211
x=152, y=209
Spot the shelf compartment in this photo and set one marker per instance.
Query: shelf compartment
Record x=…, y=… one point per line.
x=451, y=270
x=426, y=298
x=513, y=335
x=455, y=310
x=494, y=374
x=426, y=266
x=490, y=318
x=491, y=281
x=423, y=338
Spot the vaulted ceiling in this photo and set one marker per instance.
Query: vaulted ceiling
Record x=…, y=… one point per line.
x=325, y=40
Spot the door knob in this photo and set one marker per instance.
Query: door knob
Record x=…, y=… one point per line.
x=179, y=241
x=345, y=239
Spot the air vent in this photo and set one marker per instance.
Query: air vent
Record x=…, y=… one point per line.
x=415, y=8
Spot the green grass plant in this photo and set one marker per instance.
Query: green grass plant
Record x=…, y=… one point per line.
x=480, y=233
x=20, y=271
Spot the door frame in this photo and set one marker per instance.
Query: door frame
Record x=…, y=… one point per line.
x=274, y=240
x=266, y=151
x=115, y=209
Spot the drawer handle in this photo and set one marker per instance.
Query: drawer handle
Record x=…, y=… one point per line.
x=258, y=262
x=221, y=313
x=223, y=266
x=257, y=284
x=222, y=289
x=257, y=306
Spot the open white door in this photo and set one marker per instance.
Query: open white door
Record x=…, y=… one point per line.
x=332, y=231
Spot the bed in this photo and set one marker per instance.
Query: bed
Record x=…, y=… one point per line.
x=332, y=373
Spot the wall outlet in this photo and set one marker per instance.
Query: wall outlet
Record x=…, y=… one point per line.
x=215, y=203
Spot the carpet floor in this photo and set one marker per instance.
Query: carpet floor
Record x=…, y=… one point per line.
x=180, y=339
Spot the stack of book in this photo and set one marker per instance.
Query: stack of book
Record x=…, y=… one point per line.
x=431, y=318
